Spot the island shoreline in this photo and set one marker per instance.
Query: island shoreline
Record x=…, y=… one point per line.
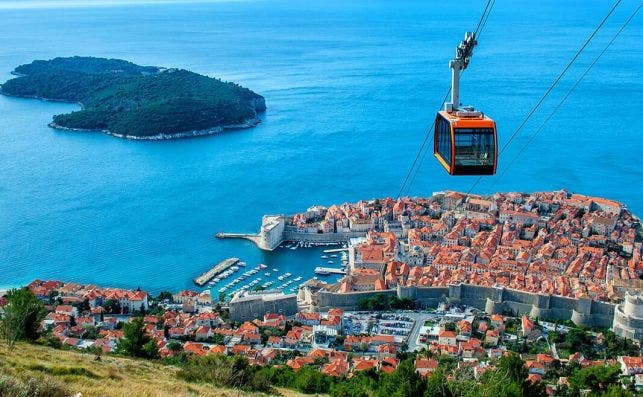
x=249, y=123
x=166, y=137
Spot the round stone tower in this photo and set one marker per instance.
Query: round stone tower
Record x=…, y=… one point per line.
x=628, y=317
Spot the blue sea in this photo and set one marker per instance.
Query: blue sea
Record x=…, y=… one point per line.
x=351, y=87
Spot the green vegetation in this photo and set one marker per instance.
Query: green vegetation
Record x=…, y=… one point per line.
x=224, y=371
x=37, y=371
x=136, y=342
x=384, y=302
x=509, y=379
x=132, y=100
x=581, y=340
x=31, y=387
x=21, y=317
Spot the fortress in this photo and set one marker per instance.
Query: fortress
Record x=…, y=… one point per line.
x=275, y=230
x=551, y=255
x=628, y=317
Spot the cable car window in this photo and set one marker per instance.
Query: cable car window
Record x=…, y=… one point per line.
x=444, y=140
x=474, y=146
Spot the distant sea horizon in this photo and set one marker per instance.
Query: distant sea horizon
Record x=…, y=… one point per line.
x=350, y=90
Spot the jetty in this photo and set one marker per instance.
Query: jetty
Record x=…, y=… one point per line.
x=324, y=271
x=328, y=251
x=218, y=268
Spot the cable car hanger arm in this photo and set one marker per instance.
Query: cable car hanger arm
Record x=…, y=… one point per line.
x=463, y=54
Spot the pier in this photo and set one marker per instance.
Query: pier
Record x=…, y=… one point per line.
x=218, y=268
x=330, y=251
x=324, y=271
x=255, y=238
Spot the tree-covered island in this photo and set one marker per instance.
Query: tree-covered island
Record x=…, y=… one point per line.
x=137, y=102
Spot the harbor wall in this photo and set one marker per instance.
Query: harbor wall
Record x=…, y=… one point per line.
x=274, y=230
x=492, y=300
x=320, y=238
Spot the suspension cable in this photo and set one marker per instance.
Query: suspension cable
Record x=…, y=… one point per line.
x=582, y=76
x=551, y=87
x=429, y=131
x=478, y=34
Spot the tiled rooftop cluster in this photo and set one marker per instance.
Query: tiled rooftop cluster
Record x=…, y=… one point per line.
x=82, y=316
x=550, y=242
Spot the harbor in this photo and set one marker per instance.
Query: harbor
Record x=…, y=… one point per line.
x=214, y=271
x=254, y=279
x=286, y=271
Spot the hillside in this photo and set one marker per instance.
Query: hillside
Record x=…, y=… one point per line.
x=132, y=101
x=112, y=376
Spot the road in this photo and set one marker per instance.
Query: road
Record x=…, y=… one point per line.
x=419, y=318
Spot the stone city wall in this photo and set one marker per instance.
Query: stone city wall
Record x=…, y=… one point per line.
x=489, y=299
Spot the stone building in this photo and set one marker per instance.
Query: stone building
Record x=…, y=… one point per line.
x=271, y=232
x=250, y=305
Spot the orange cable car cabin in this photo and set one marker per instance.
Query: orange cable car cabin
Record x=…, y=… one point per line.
x=465, y=140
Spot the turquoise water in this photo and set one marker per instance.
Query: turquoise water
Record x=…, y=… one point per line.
x=350, y=88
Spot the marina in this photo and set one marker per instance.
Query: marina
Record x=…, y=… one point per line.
x=219, y=268
x=287, y=273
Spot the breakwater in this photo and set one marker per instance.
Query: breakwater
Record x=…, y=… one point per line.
x=218, y=268
x=492, y=300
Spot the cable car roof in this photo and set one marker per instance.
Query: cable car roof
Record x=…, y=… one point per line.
x=477, y=121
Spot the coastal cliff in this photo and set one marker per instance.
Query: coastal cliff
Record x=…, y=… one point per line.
x=130, y=101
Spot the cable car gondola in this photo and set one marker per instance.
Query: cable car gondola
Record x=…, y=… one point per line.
x=465, y=139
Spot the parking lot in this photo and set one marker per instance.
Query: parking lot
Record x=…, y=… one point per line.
x=372, y=323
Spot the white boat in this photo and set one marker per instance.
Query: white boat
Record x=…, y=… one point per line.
x=267, y=274
x=330, y=262
x=298, y=278
x=241, y=264
x=334, y=256
x=287, y=274
x=324, y=256
x=275, y=270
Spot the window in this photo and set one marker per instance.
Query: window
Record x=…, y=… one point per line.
x=444, y=140
x=474, y=146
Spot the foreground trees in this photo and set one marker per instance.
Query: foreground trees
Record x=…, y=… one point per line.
x=136, y=342
x=21, y=318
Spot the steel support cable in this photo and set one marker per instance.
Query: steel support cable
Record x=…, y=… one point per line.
x=430, y=129
x=569, y=92
x=426, y=150
x=551, y=87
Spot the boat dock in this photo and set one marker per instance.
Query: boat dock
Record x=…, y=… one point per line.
x=324, y=271
x=218, y=268
x=335, y=250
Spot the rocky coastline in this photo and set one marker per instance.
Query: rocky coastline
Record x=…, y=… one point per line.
x=161, y=136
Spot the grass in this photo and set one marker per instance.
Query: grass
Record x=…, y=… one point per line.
x=112, y=376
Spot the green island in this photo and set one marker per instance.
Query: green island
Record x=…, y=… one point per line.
x=138, y=102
